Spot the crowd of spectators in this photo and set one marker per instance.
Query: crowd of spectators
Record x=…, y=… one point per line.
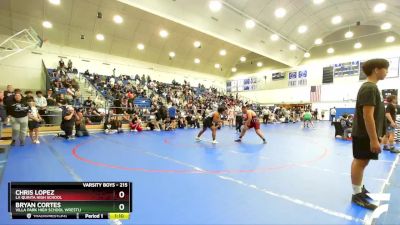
x=169, y=105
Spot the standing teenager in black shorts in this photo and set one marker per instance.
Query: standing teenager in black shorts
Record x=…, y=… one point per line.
x=368, y=126
x=212, y=121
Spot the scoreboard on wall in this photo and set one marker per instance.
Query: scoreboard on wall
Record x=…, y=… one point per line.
x=247, y=84
x=70, y=200
x=346, y=69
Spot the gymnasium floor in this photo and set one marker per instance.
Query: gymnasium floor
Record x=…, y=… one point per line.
x=300, y=177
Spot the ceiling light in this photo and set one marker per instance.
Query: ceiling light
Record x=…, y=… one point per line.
x=234, y=69
x=292, y=47
x=336, y=20
x=242, y=59
x=380, y=7
x=259, y=64
x=357, y=45
x=55, y=2
x=390, y=39
x=171, y=54
x=274, y=37
x=164, y=33
x=197, y=44
x=140, y=46
x=302, y=29
x=280, y=12
x=217, y=66
x=317, y=2
x=307, y=55
x=330, y=50
x=349, y=34
x=386, y=26
x=250, y=24
x=47, y=24
x=222, y=52
x=100, y=37
x=197, y=60
x=318, y=41
x=118, y=19
x=215, y=6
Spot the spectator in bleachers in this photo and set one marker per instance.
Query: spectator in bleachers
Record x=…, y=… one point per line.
x=60, y=100
x=69, y=68
x=89, y=103
x=61, y=63
x=70, y=96
x=19, y=118
x=57, y=84
x=40, y=102
x=28, y=96
x=50, y=98
x=93, y=116
x=3, y=115
x=9, y=92
x=143, y=80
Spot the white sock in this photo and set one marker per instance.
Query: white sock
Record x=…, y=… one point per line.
x=357, y=189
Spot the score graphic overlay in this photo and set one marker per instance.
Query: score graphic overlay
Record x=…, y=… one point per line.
x=70, y=200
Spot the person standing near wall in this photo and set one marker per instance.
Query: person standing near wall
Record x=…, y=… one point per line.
x=368, y=126
x=333, y=114
x=19, y=119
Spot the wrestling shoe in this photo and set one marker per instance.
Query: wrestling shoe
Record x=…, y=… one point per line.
x=361, y=200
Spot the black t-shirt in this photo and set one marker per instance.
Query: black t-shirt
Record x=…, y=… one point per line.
x=88, y=103
x=369, y=95
x=7, y=94
x=65, y=122
x=18, y=109
x=390, y=108
x=117, y=103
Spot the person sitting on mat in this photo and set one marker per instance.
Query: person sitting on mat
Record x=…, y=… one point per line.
x=250, y=120
x=80, y=124
x=136, y=124
x=346, y=125
x=212, y=121
x=112, y=124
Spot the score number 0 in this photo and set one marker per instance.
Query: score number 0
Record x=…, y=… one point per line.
x=121, y=194
x=121, y=206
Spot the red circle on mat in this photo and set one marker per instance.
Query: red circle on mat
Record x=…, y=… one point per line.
x=197, y=170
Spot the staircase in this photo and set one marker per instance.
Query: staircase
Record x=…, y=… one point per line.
x=87, y=89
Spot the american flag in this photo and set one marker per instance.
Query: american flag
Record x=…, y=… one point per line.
x=315, y=93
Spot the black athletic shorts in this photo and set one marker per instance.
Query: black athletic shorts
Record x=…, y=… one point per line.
x=362, y=150
x=208, y=122
x=33, y=125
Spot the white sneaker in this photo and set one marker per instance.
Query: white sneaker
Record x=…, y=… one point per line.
x=37, y=141
x=198, y=139
x=215, y=142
